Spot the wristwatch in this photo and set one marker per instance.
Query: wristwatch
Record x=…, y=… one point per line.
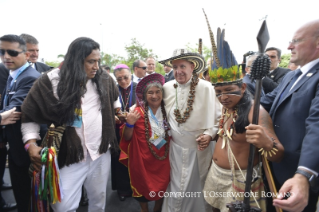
x=312, y=179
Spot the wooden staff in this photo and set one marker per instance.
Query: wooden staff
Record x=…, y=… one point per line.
x=270, y=179
x=259, y=70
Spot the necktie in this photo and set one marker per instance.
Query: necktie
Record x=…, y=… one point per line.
x=9, y=82
x=139, y=79
x=7, y=91
x=293, y=80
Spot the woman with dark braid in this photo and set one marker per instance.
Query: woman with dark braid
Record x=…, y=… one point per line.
x=145, y=143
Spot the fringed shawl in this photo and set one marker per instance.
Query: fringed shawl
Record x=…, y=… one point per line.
x=40, y=106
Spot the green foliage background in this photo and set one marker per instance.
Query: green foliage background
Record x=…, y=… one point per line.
x=285, y=58
x=135, y=50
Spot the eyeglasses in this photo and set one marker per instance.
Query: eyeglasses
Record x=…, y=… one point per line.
x=12, y=53
x=122, y=78
x=296, y=41
x=144, y=68
x=235, y=93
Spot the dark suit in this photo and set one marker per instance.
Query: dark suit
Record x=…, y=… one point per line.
x=4, y=73
x=273, y=79
x=296, y=122
x=251, y=86
x=19, y=160
x=41, y=67
x=169, y=77
x=120, y=176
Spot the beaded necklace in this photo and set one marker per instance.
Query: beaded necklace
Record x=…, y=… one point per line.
x=190, y=101
x=129, y=98
x=147, y=133
x=227, y=136
x=227, y=132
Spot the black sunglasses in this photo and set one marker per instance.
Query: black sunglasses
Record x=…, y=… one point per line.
x=12, y=53
x=144, y=68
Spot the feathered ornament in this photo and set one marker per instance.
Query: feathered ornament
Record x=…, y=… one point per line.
x=200, y=46
x=224, y=67
x=46, y=184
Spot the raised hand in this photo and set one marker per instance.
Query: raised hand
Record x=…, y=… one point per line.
x=132, y=117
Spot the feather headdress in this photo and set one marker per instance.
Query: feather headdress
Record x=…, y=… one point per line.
x=224, y=69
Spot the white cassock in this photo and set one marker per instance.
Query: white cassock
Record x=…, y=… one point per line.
x=189, y=166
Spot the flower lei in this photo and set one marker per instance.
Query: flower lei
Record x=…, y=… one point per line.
x=190, y=101
x=147, y=133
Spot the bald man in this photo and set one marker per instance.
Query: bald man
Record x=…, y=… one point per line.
x=294, y=108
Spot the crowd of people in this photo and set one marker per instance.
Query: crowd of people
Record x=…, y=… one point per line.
x=180, y=140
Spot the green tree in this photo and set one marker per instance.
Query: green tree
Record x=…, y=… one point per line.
x=206, y=51
x=135, y=50
x=285, y=58
x=159, y=68
x=111, y=60
x=61, y=56
x=54, y=64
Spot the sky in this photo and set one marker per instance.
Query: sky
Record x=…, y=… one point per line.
x=159, y=25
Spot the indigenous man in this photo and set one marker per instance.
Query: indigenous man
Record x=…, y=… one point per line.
x=193, y=114
x=227, y=174
x=81, y=97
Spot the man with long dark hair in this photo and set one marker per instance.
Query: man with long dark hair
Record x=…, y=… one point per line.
x=81, y=97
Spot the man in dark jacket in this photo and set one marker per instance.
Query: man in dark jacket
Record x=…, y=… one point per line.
x=169, y=74
x=15, y=58
x=33, y=49
x=276, y=73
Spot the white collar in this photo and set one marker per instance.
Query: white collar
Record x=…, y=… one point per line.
x=304, y=69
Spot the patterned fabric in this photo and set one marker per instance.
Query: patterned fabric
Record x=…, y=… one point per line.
x=222, y=188
x=184, y=54
x=57, y=134
x=143, y=84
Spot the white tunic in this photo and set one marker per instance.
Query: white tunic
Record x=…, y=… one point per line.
x=90, y=132
x=189, y=165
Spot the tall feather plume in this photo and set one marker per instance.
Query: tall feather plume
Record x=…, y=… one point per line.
x=225, y=55
x=220, y=46
x=200, y=46
x=212, y=40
